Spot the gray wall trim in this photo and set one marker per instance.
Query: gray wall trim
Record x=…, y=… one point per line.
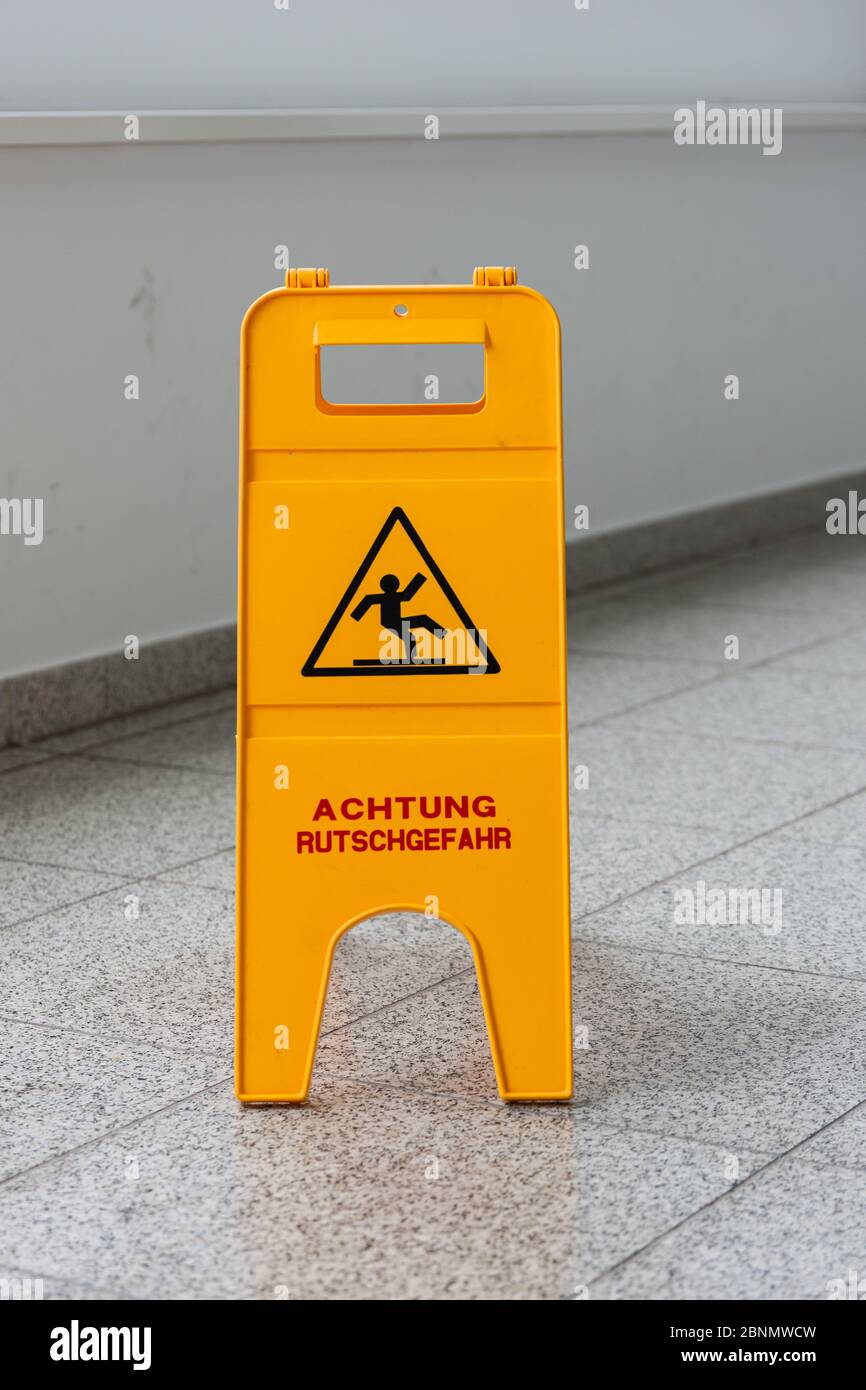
x=60, y=698
x=701, y=535
x=172, y=127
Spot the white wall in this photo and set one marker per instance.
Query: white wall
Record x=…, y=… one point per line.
x=143, y=259
x=138, y=258
x=186, y=53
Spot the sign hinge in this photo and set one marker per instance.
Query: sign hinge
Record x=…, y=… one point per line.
x=494, y=276
x=308, y=278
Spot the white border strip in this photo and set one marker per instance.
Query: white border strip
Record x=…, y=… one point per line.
x=182, y=127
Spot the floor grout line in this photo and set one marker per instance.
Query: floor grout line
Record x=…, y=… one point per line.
x=67, y=1029
x=645, y=594
x=50, y=864
x=413, y=994
x=661, y=732
x=748, y=1180
x=731, y=668
x=86, y=756
x=719, y=960
x=62, y=907
x=611, y=817
x=722, y=854
x=121, y=882
x=201, y=887
x=759, y=664
x=118, y=1129
x=604, y=719
x=657, y=658
x=25, y=763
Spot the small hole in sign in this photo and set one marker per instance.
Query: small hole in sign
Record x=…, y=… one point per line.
x=400, y=310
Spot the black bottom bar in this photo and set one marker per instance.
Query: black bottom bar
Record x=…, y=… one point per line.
x=262, y=1337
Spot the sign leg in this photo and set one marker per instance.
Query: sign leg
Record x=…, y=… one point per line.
x=525, y=983
x=282, y=983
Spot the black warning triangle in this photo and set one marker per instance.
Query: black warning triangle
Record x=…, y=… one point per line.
x=364, y=665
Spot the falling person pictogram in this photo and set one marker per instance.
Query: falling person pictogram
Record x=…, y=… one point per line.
x=460, y=647
x=390, y=603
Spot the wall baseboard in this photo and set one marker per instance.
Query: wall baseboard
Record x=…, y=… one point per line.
x=60, y=698
x=704, y=534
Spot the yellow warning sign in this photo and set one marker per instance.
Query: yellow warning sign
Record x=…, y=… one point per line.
x=409, y=542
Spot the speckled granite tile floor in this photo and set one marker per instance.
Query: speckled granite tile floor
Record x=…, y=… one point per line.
x=716, y=1143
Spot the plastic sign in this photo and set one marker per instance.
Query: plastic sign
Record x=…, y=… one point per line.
x=401, y=688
